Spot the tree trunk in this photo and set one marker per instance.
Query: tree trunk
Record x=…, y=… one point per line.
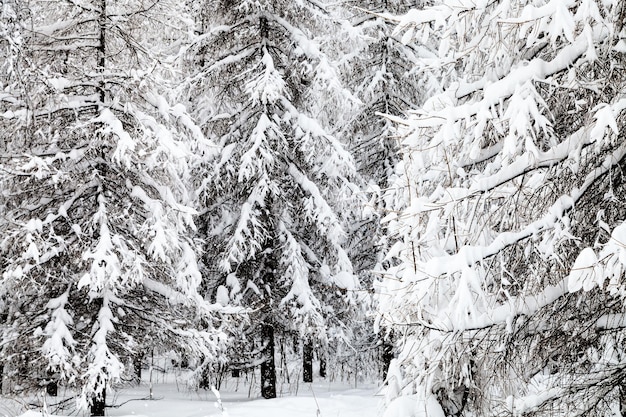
x=98, y=404
x=307, y=362
x=137, y=362
x=52, y=387
x=322, y=365
x=102, y=18
x=3, y=319
x=235, y=373
x=268, y=368
x=386, y=357
x=205, y=377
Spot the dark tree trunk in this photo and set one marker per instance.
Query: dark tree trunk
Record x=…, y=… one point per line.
x=386, y=357
x=52, y=387
x=23, y=369
x=268, y=368
x=307, y=362
x=102, y=49
x=205, y=378
x=3, y=319
x=137, y=362
x=236, y=373
x=98, y=404
x=184, y=362
x=322, y=365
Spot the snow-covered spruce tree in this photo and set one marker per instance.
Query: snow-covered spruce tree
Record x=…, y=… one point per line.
x=9, y=48
x=379, y=68
x=96, y=231
x=509, y=294
x=273, y=196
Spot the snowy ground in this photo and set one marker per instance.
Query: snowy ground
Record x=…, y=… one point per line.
x=321, y=399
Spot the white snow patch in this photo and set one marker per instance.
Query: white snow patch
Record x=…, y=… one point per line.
x=321, y=398
x=585, y=272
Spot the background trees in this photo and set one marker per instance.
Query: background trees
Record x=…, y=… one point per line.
x=379, y=68
x=98, y=256
x=508, y=294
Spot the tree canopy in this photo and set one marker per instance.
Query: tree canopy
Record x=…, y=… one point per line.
x=507, y=291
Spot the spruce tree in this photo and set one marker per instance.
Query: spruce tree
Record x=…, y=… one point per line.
x=272, y=196
x=97, y=227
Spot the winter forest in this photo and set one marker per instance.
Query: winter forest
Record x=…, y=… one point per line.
x=425, y=194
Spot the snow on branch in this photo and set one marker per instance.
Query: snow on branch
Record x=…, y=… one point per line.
x=259, y=158
x=305, y=45
x=329, y=226
x=297, y=269
x=338, y=159
x=230, y=59
x=269, y=86
x=250, y=232
x=59, y=344
x=504, y=313
x=125, y=143
x=469, y=255
x=103, y=365
x=105, y=263
x=537, y=69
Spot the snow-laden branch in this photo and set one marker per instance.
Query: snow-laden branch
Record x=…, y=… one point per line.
x=307, y=46
x=231, y=59
x=329, y=225
x=605, y=117
x=469, y=255
x=612, y=322
x=103, y=365
x=250, y=232
x=495, y=92
x=308, y=307
x=339, y=160
x=176, y=297
x=505, y=313
x=59, y=344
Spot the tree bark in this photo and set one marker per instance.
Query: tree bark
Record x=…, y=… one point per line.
x=622, y=399
x=137, y=362
x=307, y=362
x=268, y=368
x=322, y=365
x=102, y=49
x=386, y=357
x=98, y=404
x=205, y=377
x=3, y=319
x=52, y=387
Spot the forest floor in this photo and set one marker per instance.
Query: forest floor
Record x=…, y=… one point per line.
x=170, y=399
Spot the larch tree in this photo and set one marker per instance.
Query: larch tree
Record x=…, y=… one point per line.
x=262, y=86
x=97, y=227
x=508, y=293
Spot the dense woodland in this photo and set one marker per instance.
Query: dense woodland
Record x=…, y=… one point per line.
x=426, y=193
